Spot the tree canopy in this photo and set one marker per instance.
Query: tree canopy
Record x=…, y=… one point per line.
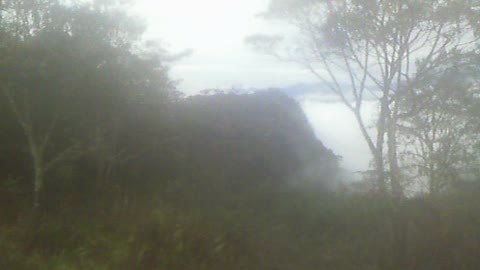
x=105, y=165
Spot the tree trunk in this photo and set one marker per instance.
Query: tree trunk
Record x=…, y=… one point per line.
x=380, y=172
x=379, y=148
x=38, y=180
x=38, y=188
x=399, y=222
x=36, y=152
x=395, y=172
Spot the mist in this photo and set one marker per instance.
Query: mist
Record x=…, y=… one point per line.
x=256, y=134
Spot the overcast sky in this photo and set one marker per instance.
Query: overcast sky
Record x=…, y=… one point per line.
x=215, y=31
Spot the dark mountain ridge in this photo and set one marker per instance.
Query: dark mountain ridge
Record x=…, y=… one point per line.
x=264, y=135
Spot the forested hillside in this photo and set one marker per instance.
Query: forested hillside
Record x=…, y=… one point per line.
x=104, y=164
x=254, y=136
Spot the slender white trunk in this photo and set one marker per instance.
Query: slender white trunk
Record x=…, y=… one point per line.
x=38, y=168
x=38, y=182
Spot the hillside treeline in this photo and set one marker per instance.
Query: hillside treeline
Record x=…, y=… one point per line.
x=105, y=165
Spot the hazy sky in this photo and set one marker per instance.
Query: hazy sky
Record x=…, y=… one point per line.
x=215, y=31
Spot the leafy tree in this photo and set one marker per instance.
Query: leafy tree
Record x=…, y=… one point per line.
x=61, y=59
x=437, y=127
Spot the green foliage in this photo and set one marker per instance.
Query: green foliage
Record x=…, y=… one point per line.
x=219, y=181
x=298, y=229
x=175, y=239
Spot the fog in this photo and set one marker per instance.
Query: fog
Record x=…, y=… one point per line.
x=215, y=134
x=215, y=32
x=221, y=59
x=337, y=128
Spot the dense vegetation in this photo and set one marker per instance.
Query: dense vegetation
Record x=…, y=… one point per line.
x=104, y=165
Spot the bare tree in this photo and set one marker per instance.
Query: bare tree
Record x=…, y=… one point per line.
x=38, y=140
x=375, y=50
